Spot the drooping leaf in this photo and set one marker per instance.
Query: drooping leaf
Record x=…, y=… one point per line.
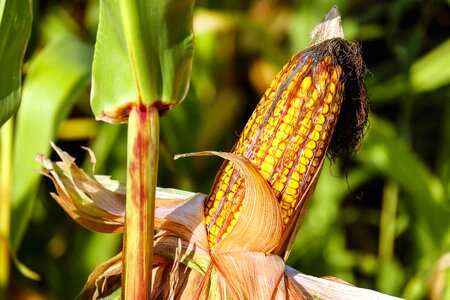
x=82, y=197
x=15, y=29
x=56, y=77
x=143, y=55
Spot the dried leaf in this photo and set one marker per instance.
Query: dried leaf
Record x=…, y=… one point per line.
x=105, y=279
x=320, y=288
x=98, y=203
x=249, y=273
x=184, y=219
x=192, y=254
x=259, y=227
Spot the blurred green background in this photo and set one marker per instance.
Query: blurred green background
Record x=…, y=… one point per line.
x=385, y=226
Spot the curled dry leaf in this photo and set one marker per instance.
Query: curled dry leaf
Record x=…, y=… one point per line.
x=82, y=197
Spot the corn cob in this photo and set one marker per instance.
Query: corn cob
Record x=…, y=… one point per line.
x=286, y=137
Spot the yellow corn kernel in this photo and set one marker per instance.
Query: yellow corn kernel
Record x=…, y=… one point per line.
x=219, y=221
x=302, y=169
x=214, y=230
x=264, y=174
x=287, y=118
x=267, y=167
x=278, y=186
x=281, y=135
x=334, y=76
x=293, y=184
x=311, y=145
x=306, y=122
x=288, y=198
x=320, y=119
x=304, y=161
x=303, y=130
x=314, y=135
x=314, y=95
x=278, y=153
x=306, y=83
x=332, y=88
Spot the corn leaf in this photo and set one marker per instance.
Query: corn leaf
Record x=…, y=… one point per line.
x=143, y=55
x=384, y=151
x=15, y=29
x=56, y=77
x=427, y=73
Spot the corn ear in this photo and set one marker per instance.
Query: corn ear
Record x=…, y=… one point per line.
x=288, y=134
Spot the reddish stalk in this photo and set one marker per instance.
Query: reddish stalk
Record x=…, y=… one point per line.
x=142, y=165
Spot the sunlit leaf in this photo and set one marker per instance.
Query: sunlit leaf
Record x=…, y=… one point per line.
x=133, y=64
x=56, y=77
x=15, y=28
x=320, y=288
x=427, y=73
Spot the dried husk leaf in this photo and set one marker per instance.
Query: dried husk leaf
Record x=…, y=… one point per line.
x=249, y=273
x=97, y=202
x=184, y=219
x=319, y=288
x=104, y=280
x=82, y=197
x=192, y=254
x=259, y=228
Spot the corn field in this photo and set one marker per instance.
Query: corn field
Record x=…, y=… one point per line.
x=379, y=217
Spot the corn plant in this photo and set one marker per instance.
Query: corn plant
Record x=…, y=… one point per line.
x=244, y=226
x=57, y=78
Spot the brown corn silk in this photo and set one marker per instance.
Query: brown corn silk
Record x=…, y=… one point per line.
x=289, y=132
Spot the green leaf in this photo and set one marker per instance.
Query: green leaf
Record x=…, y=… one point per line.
x=143, y=56
x=390, y=155
x=56, y=77
x=428, y=73
x=15, y=29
